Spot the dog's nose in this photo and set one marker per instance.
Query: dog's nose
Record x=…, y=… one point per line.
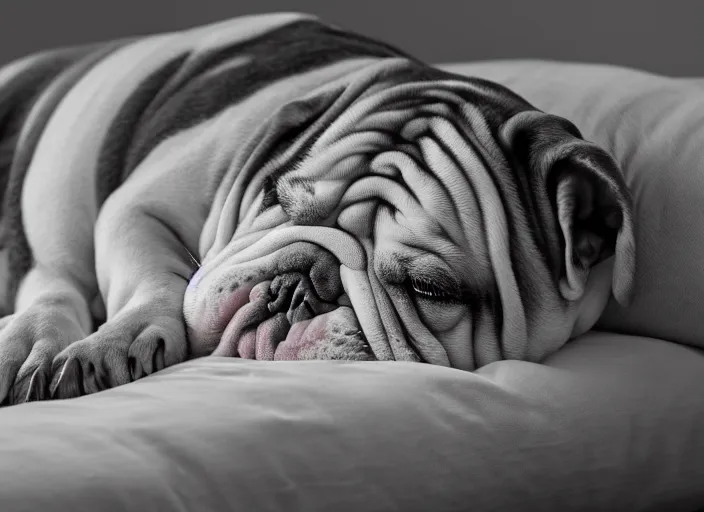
x=294, y=293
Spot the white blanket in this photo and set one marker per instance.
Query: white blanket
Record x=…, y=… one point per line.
x=610, y=423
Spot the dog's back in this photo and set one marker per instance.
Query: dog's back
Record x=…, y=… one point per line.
x=32, y=88
x=27, y=100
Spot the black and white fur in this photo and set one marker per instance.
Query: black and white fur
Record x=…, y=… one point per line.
x=274, y=187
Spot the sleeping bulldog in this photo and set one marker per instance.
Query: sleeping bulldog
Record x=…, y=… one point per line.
x=275, y=188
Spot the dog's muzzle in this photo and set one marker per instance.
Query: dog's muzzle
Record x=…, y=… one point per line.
x=290, y=306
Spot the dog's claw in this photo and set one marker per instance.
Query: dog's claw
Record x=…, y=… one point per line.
x=22, y=387
x=37, y=386
x=68, y=382
x=56, y=379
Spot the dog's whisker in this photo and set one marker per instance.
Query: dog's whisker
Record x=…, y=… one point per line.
x=193, y=258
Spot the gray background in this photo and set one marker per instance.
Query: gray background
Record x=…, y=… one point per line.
x=664, y=36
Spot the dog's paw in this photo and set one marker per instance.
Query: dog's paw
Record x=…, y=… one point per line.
x=29, y=341
x=132, y=345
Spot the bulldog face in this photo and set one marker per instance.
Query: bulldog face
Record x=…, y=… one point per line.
x=443, y=221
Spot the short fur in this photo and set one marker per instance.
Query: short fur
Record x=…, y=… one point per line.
x=274, y=187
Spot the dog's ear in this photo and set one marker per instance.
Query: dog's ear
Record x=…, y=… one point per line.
x=593, y=210
x=589, y=199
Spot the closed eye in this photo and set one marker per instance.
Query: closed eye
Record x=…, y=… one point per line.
x=427, y=289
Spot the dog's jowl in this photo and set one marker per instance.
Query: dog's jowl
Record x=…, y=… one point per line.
x=273, y=187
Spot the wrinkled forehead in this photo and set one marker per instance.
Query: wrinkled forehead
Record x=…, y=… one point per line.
x=397, y=148
x=405, y=176
x=407, y=160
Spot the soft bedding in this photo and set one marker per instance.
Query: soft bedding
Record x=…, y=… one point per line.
x=609, y=423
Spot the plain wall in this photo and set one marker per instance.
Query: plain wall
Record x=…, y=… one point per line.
x=664, y=36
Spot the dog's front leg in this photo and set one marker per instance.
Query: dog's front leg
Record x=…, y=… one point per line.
x=144, y=238
x=143, y=269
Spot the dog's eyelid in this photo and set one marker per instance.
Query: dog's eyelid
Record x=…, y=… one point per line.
x=438, y=286
x=437, y=276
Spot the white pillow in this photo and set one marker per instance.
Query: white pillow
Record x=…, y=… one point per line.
x=609, y=423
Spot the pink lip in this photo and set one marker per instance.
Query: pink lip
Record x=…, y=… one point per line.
x=249, y=330
x=239, y=312
x=232, y=304
x=258, y=341
x=303, y=336
x=253, y=333
x=269, y=334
